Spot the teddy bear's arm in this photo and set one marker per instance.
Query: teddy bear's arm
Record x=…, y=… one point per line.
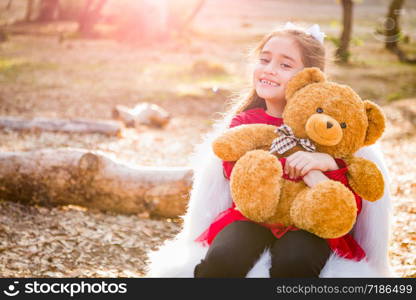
x=365, y=178
x=235, y=142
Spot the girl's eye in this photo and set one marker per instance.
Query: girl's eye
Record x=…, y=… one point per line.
x=343, y=125
x=286, y=66
x=319, y=110
x=264, y=60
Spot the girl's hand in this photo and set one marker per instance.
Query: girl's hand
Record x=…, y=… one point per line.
x=301, y=162
x=314, y=177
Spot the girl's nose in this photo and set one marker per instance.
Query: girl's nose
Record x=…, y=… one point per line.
x=270, y=69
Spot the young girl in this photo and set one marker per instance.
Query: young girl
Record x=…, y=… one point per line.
x=237, y=243
x=234, y=242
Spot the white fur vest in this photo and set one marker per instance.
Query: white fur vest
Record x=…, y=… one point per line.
x=210, y=195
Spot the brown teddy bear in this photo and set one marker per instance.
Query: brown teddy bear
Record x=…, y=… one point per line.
x=320, y=116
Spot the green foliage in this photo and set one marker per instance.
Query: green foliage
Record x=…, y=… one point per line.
x=12, y=68
x=344, y=57
x=355, y=41
x=401, y=91
x=394, y=96
x=334, y=40
x=335, y=24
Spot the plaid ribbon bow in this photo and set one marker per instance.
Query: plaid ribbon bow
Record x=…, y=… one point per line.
x=288, y=140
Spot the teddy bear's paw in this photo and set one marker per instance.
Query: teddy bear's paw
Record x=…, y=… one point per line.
x=255, y=184
x=328, y=210
x=237, y=141
x=365, y=178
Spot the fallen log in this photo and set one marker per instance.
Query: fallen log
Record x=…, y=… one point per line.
x=107, y=127
x=142, y=114
x=94, y=180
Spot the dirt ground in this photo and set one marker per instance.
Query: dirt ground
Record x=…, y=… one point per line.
x=41, y=75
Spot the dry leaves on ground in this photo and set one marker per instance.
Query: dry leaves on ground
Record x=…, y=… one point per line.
x=72, y=242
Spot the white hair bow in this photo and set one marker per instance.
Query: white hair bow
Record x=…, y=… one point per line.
x=314, y=31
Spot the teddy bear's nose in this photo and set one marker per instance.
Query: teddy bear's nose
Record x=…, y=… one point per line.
x=329, y=124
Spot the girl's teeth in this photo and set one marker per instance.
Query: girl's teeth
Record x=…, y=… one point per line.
x=268, y=82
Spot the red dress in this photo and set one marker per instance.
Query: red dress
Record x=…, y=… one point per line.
x=344, y=246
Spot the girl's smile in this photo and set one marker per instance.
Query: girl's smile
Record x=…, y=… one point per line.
x=268, y=82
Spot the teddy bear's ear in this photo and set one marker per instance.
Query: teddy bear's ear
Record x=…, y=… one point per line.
x=302, y=79
x=376, y=122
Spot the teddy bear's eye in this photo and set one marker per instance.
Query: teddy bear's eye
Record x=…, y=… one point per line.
x=319, y=110
x=343, y=125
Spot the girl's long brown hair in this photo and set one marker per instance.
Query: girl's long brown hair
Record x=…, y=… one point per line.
x=312, y=54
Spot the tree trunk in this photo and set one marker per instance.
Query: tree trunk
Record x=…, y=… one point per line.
x=3, y=34
x=392, y=31
x=111, y=128
x=29, y=10
x=48, y=10
x=90, y=16
x=392, y=24
x=9, y=4
x=192, y=16
x=343, y=53
x=91, y=179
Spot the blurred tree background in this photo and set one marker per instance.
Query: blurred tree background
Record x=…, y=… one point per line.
x=101, y=60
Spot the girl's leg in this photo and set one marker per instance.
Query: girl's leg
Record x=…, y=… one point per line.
x=234, y=250
x=298, y=254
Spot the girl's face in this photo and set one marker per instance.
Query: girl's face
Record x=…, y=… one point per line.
x=278, y=61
